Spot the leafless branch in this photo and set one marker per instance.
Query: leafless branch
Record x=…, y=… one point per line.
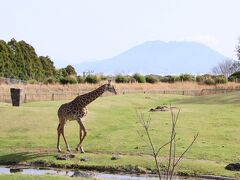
x=172, y=160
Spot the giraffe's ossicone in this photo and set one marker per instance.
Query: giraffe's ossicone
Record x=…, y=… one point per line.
x=76, y=110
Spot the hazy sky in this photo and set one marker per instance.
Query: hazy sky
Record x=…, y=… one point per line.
x=72, y=31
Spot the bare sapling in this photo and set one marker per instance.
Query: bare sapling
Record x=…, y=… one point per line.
x=173, y=159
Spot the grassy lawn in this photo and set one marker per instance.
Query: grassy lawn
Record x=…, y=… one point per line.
x=28, y=133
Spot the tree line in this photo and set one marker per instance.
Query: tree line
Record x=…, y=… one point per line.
x=19, y=60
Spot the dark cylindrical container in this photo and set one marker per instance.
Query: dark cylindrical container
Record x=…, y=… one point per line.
x=16, y=96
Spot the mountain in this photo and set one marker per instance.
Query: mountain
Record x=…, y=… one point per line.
x=157, y=57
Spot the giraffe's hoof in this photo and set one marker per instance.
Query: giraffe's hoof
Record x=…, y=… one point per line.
x=59, y=150
x=77, y=149
x=82, y=150
x=68, y=149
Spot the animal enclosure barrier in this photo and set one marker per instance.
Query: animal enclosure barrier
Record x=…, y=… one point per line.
x=5, y=96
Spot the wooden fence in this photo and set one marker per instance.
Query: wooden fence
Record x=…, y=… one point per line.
x=54, y=96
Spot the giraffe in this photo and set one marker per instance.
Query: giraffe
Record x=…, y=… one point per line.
x=77, y=110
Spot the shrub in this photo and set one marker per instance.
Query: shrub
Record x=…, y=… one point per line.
x=211, y=79
x=92, y=79
x=49, y=80
x=221, y=79
x=103, y=77
x=186, y=77
x=168, y=79
x=176, y=78
x=32, y=81
x=139, y=78
x=206, y=79
x=235, y=77
x=121, y=79
x=151, y=79
x=80, y=79
x=67, y=80
x=199, y=79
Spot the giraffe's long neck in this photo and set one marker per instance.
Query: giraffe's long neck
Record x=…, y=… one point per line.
x=85, y=99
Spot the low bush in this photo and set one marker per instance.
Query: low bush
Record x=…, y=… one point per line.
x=80, y=79
x=32, y=81
x=211, y=79
x=139, y=78
x=49, y=80
x=186, y=77
x=92, y=79
x=235, y=77
x=168, y=79
x=67, y=80
x=122, y=79
x=221, y=79
x=151, y=79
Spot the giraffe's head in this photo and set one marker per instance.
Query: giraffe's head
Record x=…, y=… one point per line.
x=110, y=87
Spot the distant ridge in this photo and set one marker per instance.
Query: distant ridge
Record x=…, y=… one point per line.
x=158, y=57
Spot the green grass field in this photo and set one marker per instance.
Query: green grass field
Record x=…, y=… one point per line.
x=28, y=133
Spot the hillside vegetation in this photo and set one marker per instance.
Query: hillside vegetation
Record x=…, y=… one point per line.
x=19, y=60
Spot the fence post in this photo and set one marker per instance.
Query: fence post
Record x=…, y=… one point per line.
x=25, y=98
x=52, y=96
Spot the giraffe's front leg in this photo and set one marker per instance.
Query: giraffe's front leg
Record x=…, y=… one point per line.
x=79, y=146
x=59, y=133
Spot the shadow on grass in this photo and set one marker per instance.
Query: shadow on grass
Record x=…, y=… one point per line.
x=16, y=158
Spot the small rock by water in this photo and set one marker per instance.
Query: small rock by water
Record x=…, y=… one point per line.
x=15, y=170
x=159, y=108
x=233, y=167
x=85, y=159
x=65, y=156
x=115, y=157
x=82, y=174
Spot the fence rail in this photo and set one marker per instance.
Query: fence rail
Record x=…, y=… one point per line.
x=54, y=96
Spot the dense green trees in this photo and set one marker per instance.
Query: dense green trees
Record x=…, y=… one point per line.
x=19, y=60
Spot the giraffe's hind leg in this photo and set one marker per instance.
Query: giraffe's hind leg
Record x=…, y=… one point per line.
x=60, y=131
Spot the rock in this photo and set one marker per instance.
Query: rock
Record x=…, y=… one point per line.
x=15, y=170
x=85, y=159
x=41, y=163
x=159, y=108
x=65, y=156
x=115, y=157
x=71, y=156
x=233, y=167
x=82, y=174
